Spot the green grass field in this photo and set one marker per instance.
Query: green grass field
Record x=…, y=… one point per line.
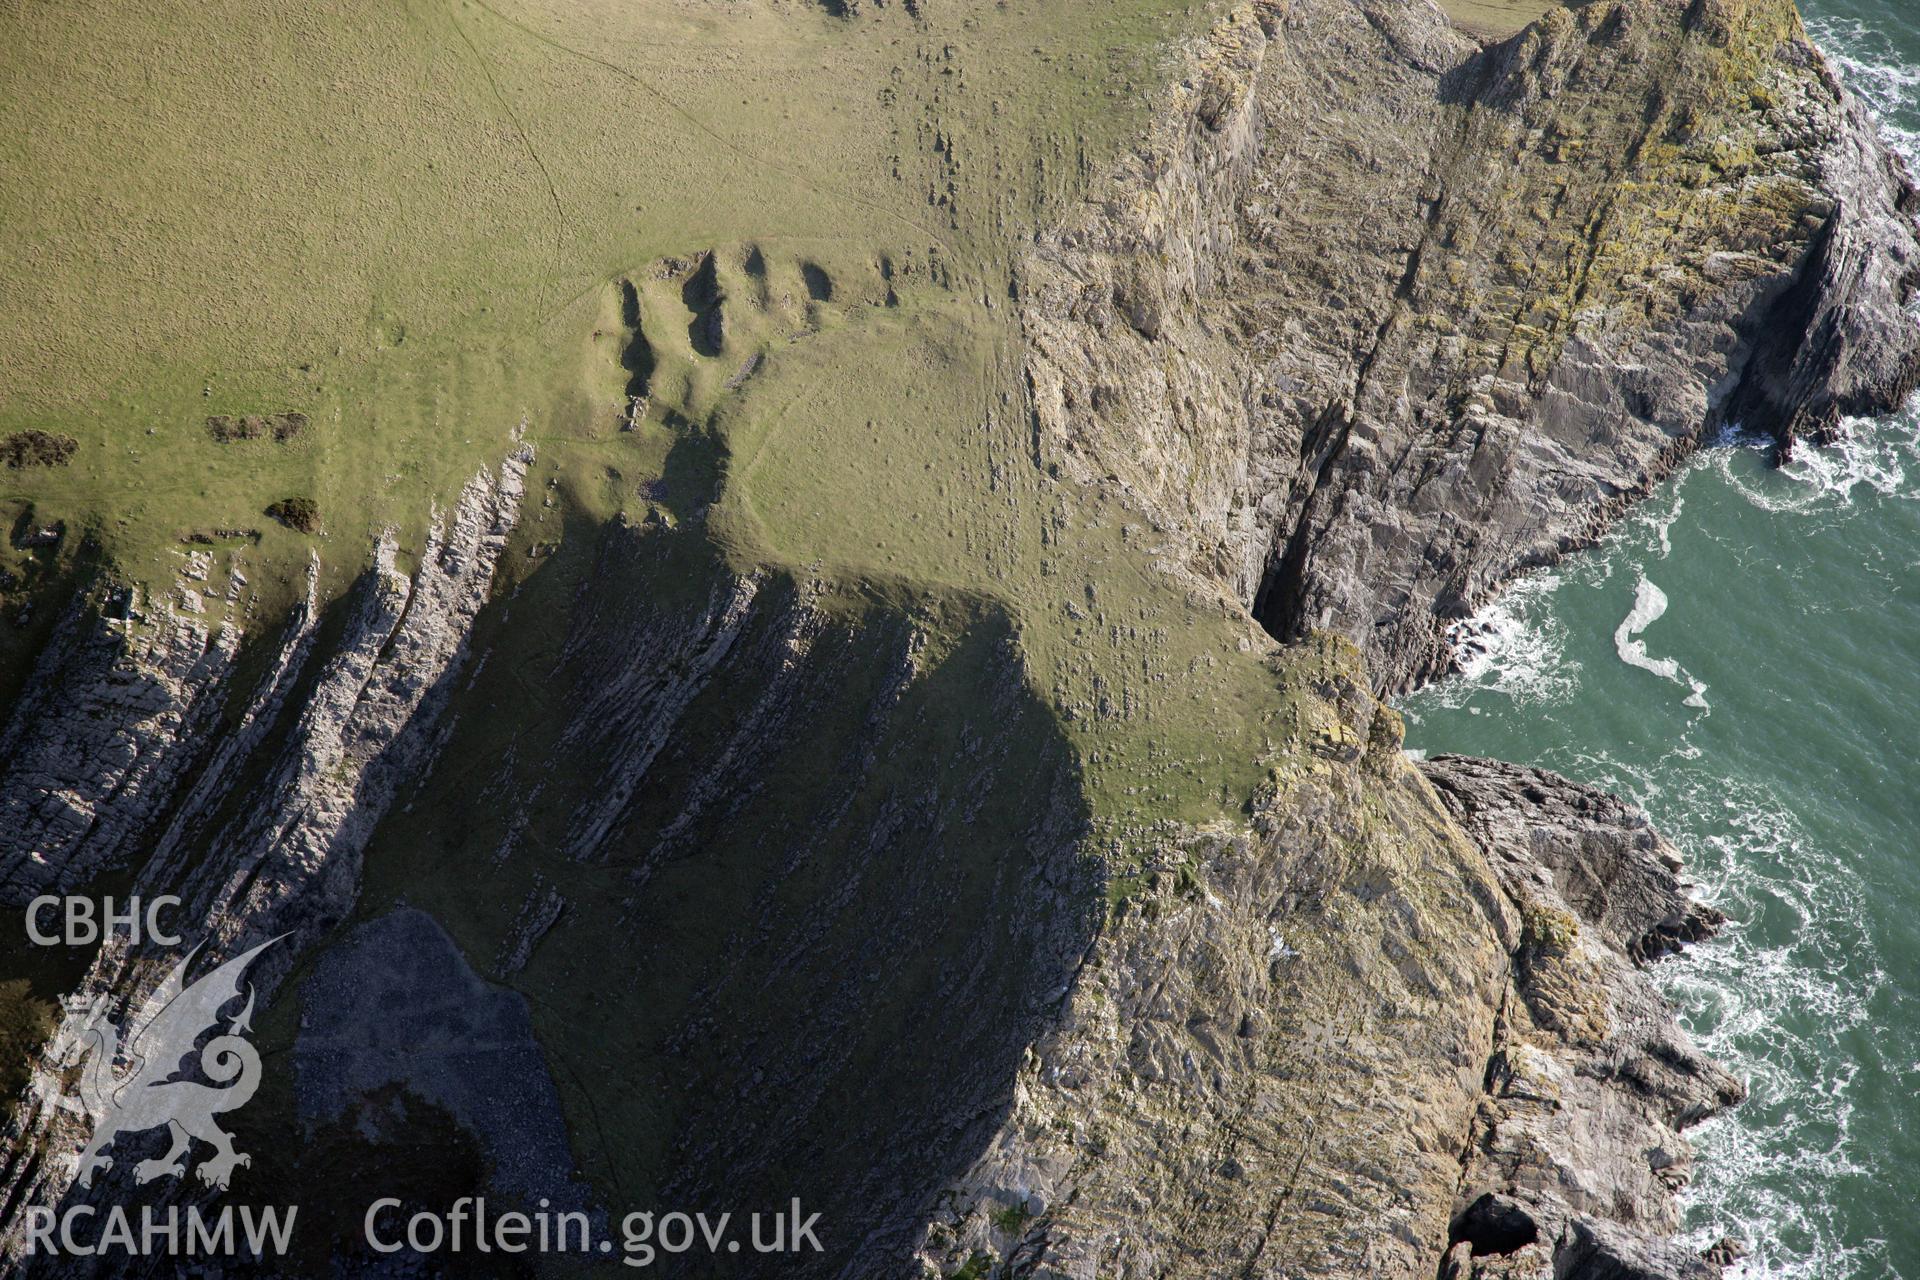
x=406, y=221
x=1495, y=19
x=425, y=225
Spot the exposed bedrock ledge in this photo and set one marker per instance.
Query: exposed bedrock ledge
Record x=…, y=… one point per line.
x=1346, y=1040
x=829, y=842
x=1575, y=1152
x=833, y=849
x=90, y=757
x=1377, y=318
x=1373, y=319
x=256, y=820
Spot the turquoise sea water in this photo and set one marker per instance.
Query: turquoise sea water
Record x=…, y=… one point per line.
x=1742, y=658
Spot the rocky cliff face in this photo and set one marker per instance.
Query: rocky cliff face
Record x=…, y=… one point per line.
x=1380, y=317
x=1574, y=1155
x=1366, y=343
x=1397, y=1021
x=256, y=824
x=780, y=884
x=836, y=836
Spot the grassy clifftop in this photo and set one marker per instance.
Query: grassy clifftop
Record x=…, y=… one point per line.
x=913, y=423
x=424, y=227
x=404, y=221
x=749, y=265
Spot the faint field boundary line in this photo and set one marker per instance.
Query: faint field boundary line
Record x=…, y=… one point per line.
x=561, y=223
x=702, y=126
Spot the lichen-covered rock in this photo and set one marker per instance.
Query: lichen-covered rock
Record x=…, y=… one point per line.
x=1576, y=1153
x=1378, y=317
x=1344, y=1041
x=1373, y=318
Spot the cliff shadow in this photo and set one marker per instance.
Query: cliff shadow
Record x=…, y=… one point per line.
x=789, y=874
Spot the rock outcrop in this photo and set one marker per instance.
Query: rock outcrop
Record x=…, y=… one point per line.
x=1575, y=1154
x=1379, y=317
x=91, y=756
x=257, y=827
x=1374, y=318
x=832, y=849
x=1343, y=1041
x=1365, y=344
x=827, y=846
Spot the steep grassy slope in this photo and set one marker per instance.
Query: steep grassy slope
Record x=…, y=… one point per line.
x=428, y=227
x=742, y=281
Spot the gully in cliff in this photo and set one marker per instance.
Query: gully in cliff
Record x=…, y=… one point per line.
x=831, y=640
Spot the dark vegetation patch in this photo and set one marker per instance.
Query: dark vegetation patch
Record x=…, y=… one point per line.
x=25, y=1024
x=33, y=448
x=302, y=514
x=213, y=537
x=39, y=568
x=226, y=428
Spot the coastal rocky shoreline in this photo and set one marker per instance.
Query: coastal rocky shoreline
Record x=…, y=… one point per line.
x=1584, y=251
x=1563, y=282
x=1374, y=318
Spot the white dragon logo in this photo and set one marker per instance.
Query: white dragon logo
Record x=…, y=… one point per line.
x=145, y=1095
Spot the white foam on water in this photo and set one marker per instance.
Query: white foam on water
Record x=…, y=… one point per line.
x=1790, y=1013
x=1779, y=1012
x=1876, y=455
x=1871, y=67
x=1511, y=647
x=1784, y=996
x=1864, y=455
x=1665, y=527
x=1664, y=521
x=1787, y=996
x=1649, y=604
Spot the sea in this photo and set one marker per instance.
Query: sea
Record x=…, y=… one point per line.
x=1741, y=657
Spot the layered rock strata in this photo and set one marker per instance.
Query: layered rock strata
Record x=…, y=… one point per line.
x=261, y=828
x=1378, y=317
x=1397, y=1023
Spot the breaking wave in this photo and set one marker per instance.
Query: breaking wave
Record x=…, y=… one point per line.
x=1875, y=456
x=1513, y=648
x=1793, y=997
x=1871, y=66
x=1784, y=999
x=1809, y=993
